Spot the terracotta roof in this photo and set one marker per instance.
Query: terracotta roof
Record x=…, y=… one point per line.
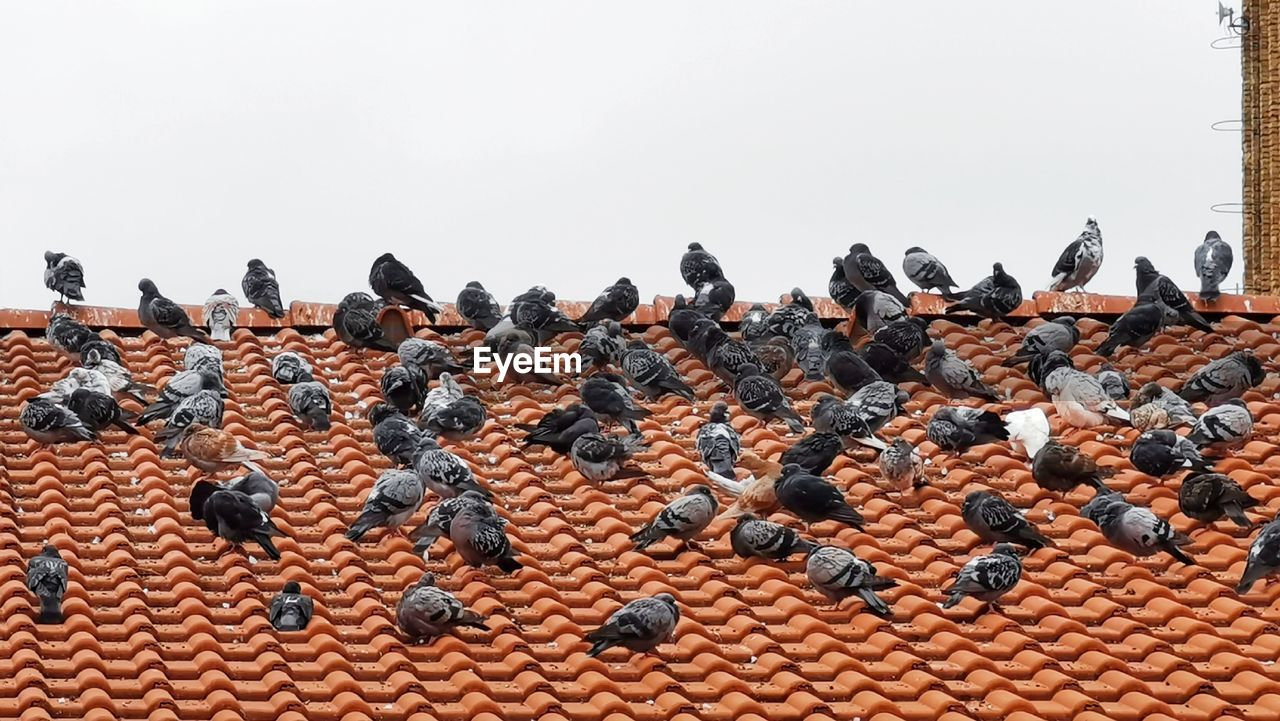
x=157, y=627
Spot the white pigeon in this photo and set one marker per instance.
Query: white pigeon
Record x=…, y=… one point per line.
x=1028, y=430
x=220, y=313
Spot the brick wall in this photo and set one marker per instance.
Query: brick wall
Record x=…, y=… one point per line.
x=1260, y=113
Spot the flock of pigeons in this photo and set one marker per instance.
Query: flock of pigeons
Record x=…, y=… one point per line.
x=424, y=409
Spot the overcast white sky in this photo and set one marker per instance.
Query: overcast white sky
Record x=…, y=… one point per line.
x=568, y=143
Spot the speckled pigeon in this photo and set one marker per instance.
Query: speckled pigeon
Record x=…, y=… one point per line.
x=641, y=626
x=1080, y=260
x=995, y=520
x=1206, y=497
x=396, y=284
x=718, y=443
x=757, y=538
x=1212, y=262
x=987, y=578
x=291, y=609
x=262, y=289
x=64, y=275
x=838, y=574
x=47, y=579
x=164, y=317
x=395, y=497
x=426, y=611
x=683, y=518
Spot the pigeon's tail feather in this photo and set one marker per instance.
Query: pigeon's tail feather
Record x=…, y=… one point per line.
x=472, y=619
x=646, y=537
x=1253, y=572
x=264, y=540
x=951, y=295
x=50, y=610
x=124, y=426
x=510, y=565
x=1033, y=539
x=194, y=334
x=875, y=604
x=1176, y=552
x=1197, y=321
x=846, y=515
x=1236, y=514
x=365, y=523
x=793, y=419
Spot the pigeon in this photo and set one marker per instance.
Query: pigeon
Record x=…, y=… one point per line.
x=958, y=429
x=356, y=323
x=440, y=397
x=838, y=574
x=607, y=397
x=291, y=609
x=440, y=519
x=614, y=303
x=432, y=357
x=404, y=386
x=261, y=289
x=1135, y=529
x=1160, y=453
x=873, y=310
x=987, y=578
x=310, y=403
x=77, y=378
x=47, y=579
x=478, y=307
x=697, y=267
x=757, y=538
x=220, y=313
x=289, y=367
x=642, y=625
x=1223, y=427
x=119, y=379
x=728, y=357
x=600, y=457
x=205, y=407
x=1079, y=398
x=995, y=296
x=164, y=317
x=864, y=271
x=901, y=465
x=395, y=497
x=47, y=422
x=795, y=314
x=1223, y=379
x=1159, y=289
x=197, y=357
x=775, y=357
x=234, y=515
x=480, y=538
x=1213, y=263
x=602, y=345
x=1176, y=411
x=260, y=489
x=426, y=611
x=1135, y=328
x=761, y=397
x=809, y=345
x=98, y=411
x=684, y=518
x=756, y=493
x=394, y=433
x=559, y=428
x=213, y=449
x=814, y=453
x=396, y=284
x=812, y=498
x=908, y=337
x=718, y=443
x=69, y=335
x=458, y=420
x=714, y=298
x=1028, y=431
x=847, y=370
x=1058, y=334
x=953, y=376
x=64, y=275
x=839, y=288
x=1059, y=467
x=444, y=473
x=754, y=324
x=832, y=415
x=1264, y=557
x=928, y=273
x=890, y=364
x=1113, y=381
x=651, y=373
x=1080, y=260
x=995, y=520
x=1206, y=497
x=535, y=310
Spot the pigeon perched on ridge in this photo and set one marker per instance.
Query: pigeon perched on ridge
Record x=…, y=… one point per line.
x=289, y=367
x=395, y=497
x=396, y=284
x=480, y=538
x=952, y=376
x=814, y=453
x=311, y=404
x=697, y=267
x=535, y=310
x=832, y=415
x=64, y=275
x=714, y=298
x=995, y=296
x=261, y=288
x=99, y=411
x=1160, y=453
x=1058, y=334
x=1212, y=262
x=256, y=485
x=908, y=337
x=1059, y=467
x=1207, y=497
x=874, y=309
x=987, y=578
x=1113, y=381
x=995, y=520
x=812, y=498
x=394, y=433
x=234, y=516
x=432, y=357
x=356, y=323
x=426, y=611
x=1223, y=379
x=865, y=272
x=928, y=273
x=607, y=396
x=164, y=317
x=651, y=373
x=220, y=313
x=959, y=428
x=641, y=625
x=761, y=397
x=1223, y=427
x=213, y=449
x=757, y=538
x=901, y=465
x=754, y=324
x=614, y=303
x=839, y=288
x=478, y=307
x=1135, y=529
x=599, y=457
x=47, y=579
x=1153, y=286
x=1264, y=557
x=718, y=443
x=47, y=422
x=838, y=574
x=1078, y=397
x=683, y=518
x=404, y=386
x=560, y=427
x=291, y=609
x=444, y=473
x=1080, y=260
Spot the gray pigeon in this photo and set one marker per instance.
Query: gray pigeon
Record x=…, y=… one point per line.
x=395, y=497
x=838, y=574
x=1264, y=557
x=809, y=347
x=873, y=310
x=1135, y=529
x=1207, y=497
x=220, y=313
x=164, y=317
x=651, y=373
x=761, y=397
x=179, y=388
x=1079, y=398
x=987, y=578
x=602, y=345
x=1213, y=263
x=444, y=473
x=684, y=518
x=291, y=609
x=600, y=457
x=432, y=357
x=878, y=402
x=64, y=275
x=262, y=289
x=48, y=422
x=1113, y=381
x=953, y=376
x=958, y=429
x=69, y=335
x=901, y=465
x=480, y=538
x=718, y=443
x=995, y=520
x=1223, y=379
x=1223, y=427
x=204, y=408
x=440, y=519
x=289, y=367
x=757, y=538
x=99, y=411
x=1058, y=334
x=310, y=402
x=47, y=579
x=478, y=307
x=1080, y=260
x=928, y=273
x=426, y=611
x=641, y=626
x=831, y=415
x=356, y=322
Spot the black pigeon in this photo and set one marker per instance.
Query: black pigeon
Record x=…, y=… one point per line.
x=164, y=317
x=760, y=396
x=995, y=296
x=1213, y=262
x=864, y=271
x=757, y=538
x=615, y=303
x=291, y=609
x=651, y=373
x=889, y=364
x=47, y=579
x=606, y=395
x=356, y=323
x=396, y=284
x=1206, y=497
x=99, y=411
x=683, y=320
x=48, y=422
x=1114, y=381
x=1162, y=452
x=928, y=273
x=1061, y=468
x=846, y=369
x=814, y=453
x=261, y=288
x=535, y=310
x=839, y=287
x=559, y=428
x=405, y=387
x=478, y=307
x=1158, y=288
x=754, y=324
x=908, y=337
x=718, y=442
x=995, y=520
x=959, y=428
x=69, y=335
x=64, y=275
x=1138, y=325
x=812, y=498
x=1264, y=557
x=715, y=298
x=697, y=267
x=394, y=433
x=1223, y=379
x=1058, y=334
x=987, y=578
x=1080, y=260
x=236, y=517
